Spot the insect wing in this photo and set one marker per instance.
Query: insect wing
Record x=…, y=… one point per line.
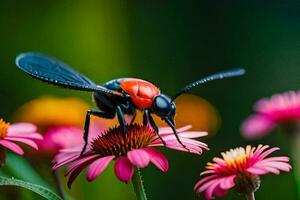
x=53, y=71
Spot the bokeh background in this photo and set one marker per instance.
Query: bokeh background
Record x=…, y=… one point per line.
x=169, y=43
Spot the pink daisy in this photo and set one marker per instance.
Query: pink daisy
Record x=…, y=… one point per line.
x=240, y=168
x=18, y=132
x=280, y=109
x=135, y=150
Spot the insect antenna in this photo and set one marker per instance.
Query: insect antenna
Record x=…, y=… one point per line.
x=217, y=76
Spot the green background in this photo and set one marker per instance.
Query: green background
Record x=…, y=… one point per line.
x=168, y=43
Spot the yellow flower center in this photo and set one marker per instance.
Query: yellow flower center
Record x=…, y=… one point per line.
x=235, y=157
x=3, y=128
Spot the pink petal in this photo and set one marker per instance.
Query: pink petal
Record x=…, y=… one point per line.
x=227, y=183
x=190, y=149
x=76, y=172
x=207, y=172
x=211, y=189
x=25, y=141
x=81, y=161
x=208, y=184
x=277, y=158
x=35, y=136
x=193, y=134
x=203, y=180
x=266, y=153
x=219, y=192
x=257, y=171
x=158, y=159
x=12, y=146
x=139, y=158
x=21, y=128
x=98, y=166
x=171, y=139
x=256, y=126
x=123, y=169
x=276, y=165
x=168, y=130
x=272, y=170
x=62, y=159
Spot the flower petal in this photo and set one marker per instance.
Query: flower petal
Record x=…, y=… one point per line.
x=35, y=136
x=25, y=141
x=123, y=169
x=29, y=142
x=62, y=159
x=256, y=126
x=12, y=146
x=21, y=128
x=139, y=158
x=81, y=161
x=75, y=173
x=98, y=166
x=193, y=134
x=228, y=182
x=158, y=159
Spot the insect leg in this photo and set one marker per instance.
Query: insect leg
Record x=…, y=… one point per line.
x=145, y=118
x=133, y=117
x=175, y=132
x=154, y=126
x=87, y=124
x=121, y=119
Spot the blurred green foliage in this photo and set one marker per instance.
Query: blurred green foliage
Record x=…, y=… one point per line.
x=169, y=43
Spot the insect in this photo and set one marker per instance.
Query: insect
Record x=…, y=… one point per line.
x=119, y=97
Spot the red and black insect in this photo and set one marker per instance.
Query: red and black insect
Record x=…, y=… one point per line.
x=119, y=96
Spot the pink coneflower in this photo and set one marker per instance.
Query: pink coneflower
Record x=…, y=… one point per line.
x=240, y=168
x=280, y=109
x=135, y=150
x=18, y=132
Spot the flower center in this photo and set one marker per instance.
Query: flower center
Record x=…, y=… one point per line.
x=3, y=128
x=235, y=157
x=114, y=142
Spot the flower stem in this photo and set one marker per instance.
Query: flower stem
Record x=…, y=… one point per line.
x=250, y=196
x=138, y=186
x=59, y=185
x=295, y=151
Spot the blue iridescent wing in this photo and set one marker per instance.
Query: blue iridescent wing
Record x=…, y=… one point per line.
x=219, y=75
x=53, y=71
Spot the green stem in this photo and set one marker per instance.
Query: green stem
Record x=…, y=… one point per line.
x=295, y=151
x=250, y=196
x=138, y=186
x=59, y=186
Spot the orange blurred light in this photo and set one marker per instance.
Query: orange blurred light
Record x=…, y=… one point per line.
x=198, y=112
x=49, y=111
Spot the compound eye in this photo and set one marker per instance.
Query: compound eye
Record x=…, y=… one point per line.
x=162, y=106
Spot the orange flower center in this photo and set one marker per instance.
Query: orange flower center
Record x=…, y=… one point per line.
x=3, y=128
x=114, y=142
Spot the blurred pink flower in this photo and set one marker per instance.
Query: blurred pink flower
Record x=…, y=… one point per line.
x=280, y=109
x=18, y=132
x=60, y=137
x=240, y=168
x=65, y=137
x=135, y=150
